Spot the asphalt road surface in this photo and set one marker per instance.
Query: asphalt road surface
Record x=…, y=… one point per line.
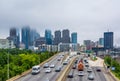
x=98, y=76
x=42, y=76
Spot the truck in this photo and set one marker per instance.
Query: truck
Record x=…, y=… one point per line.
x=80, y=66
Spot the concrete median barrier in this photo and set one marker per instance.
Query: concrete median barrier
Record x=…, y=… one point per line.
x=64, y=73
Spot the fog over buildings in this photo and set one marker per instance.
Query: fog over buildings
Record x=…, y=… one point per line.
x=89, y=18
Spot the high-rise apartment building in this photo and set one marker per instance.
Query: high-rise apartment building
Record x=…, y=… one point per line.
x=88, y=45
x=34, y=35
x=74, y=37
x=26, y=36
x=65, y=36
x=14, y=36
x=48, y=37
x=101, y=41
x=108, y=40
x=57, y=38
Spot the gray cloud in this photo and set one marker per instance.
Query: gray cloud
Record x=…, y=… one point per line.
x=90, y=18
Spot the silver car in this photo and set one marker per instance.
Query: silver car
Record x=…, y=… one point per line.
x=91, y=76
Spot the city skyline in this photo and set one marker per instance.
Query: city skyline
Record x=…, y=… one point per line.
x=90, y=19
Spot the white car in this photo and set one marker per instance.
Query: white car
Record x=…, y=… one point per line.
x=52, y=66
x=81, y=73
x=48, y=70
x=35, y=69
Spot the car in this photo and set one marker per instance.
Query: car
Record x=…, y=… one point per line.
x=70, y=75
x=81, y=73
x=52, y=66
x=86, y=65
x=65, y=62
x=85, y=60
x=89, y=70
x=48, y=70
x=58, y=69
x=35, y=69
x=91, y=76
x=46, y=65
x=98, y=70
x=58, y=59
x=74, y=66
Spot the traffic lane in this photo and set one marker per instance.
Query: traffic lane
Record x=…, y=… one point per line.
x=99, y=74
x=30, y=76
x=48, y=75
x=44, y=75
x=56, y=74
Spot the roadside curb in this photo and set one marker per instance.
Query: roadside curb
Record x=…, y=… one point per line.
x=28, y=71
x=111, y=73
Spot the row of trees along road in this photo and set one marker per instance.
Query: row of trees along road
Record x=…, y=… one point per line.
x=113, y=63
x=19, y=61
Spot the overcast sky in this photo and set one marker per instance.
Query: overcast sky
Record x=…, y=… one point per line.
x=89, y=18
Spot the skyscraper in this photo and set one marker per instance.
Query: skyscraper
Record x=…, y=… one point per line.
x=48, y=37
x=14, y=36
x=74, y=37
x=101, y=41
x=33, y=36
x=108, y=40
x=87, y=43
x=65, y=36
x=57, y=38
x=26, y=36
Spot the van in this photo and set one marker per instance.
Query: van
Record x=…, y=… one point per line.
x=35, y=69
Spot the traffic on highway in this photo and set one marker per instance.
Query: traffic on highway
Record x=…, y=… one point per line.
x=82, y=69
x=50, y=71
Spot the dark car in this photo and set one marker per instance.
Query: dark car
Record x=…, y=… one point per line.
x=74, y=66
x=70, y=75
x=58, y=69
x=98, y=70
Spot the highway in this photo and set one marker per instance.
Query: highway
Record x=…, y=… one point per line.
x=42, y=76
x=53, y=76
x=98, y=76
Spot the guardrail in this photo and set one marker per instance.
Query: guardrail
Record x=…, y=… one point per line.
x=28, y=71
x=64, y=73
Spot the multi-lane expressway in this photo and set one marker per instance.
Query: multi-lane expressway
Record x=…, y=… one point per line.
x=101, y=75
x=42, y=76
x=53, y=76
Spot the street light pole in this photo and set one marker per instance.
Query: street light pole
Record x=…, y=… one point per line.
x=8, y=65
